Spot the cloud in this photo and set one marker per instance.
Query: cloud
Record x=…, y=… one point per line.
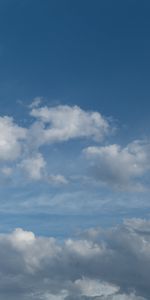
x=63, y=122
x=57, y=179
x=36, y=102
x=49, y=125
x=34, y=167
x=94, y=288
x=123, y=168
x=120, y=167
x=10, y=139
x=110, y=264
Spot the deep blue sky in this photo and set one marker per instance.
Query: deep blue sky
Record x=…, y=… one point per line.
x=94, y=54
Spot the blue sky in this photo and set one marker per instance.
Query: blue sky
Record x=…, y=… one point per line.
x=84, y=56
x=74, y=150
x=96, y=56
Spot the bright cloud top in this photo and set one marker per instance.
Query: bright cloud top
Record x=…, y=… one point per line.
x=66, y=122
x=100, y=264
x=11, y=136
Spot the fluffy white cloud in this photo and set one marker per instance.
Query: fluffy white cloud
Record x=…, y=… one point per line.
x=119, y=166
x=50, y=125
x=111, y=264
x=63, y=122
x=10, y=139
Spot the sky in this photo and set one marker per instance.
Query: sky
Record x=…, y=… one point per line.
x=74, y=150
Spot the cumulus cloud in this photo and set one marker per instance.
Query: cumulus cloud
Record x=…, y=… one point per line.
x=110, y=264
x=63, y=122
x=35, y=168
x=48, y=125
x=118, y=166
x=112, y=165
x=10, y=139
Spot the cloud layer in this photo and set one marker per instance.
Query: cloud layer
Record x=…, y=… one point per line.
x=99, y=264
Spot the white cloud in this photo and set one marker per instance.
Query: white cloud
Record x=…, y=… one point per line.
x=111, y=265
x=57, y=179
x=52, y=124
x=10, y=139
x=34, y=166
x=19, y=235
x=83, y=248
x=95, y=288
x=119, y=166
x=112, y=165
x=63, y=122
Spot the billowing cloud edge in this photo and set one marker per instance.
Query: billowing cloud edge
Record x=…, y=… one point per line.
x=110, y=264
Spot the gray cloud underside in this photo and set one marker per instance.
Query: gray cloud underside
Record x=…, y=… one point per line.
x=99, y=264
x=120, y=167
